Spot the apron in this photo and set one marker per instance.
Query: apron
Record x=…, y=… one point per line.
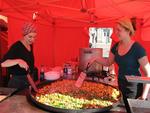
x=18, y=81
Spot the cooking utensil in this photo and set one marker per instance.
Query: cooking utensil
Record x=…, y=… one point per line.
x=82, y=77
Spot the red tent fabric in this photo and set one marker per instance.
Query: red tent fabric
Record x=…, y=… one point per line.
x=63, y=24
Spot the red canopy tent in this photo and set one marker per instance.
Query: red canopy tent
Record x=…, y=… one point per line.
x=63, y=24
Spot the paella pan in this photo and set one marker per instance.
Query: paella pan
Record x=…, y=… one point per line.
x=63, y=97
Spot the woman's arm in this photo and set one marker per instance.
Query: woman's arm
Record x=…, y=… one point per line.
x=104, y=61
x=13, y=62
x=32, y=83
x=146, y=69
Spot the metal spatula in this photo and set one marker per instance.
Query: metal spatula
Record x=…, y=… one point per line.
x=82, y=77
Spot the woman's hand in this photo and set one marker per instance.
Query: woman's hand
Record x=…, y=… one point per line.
x=91, y=61
x=22, y=64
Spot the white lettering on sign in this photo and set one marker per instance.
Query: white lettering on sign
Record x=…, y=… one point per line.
x=80, y=79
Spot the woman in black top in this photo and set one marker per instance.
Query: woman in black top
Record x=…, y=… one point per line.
x=19, y=58
x=129, y=55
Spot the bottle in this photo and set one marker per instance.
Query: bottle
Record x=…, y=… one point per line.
x=69, y=73
x=42, y=73
x=65, y=71
x=105, y=71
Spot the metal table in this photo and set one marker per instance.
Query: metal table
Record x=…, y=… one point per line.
x=139, y=106
x=136, y=105
x=138, y=79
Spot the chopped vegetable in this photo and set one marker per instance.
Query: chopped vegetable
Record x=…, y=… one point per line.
x=63, y=94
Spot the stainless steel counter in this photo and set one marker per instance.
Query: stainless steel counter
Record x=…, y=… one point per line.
x=138, y=79
x=139, y=106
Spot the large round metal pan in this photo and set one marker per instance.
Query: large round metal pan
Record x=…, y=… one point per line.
x=60, y=110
